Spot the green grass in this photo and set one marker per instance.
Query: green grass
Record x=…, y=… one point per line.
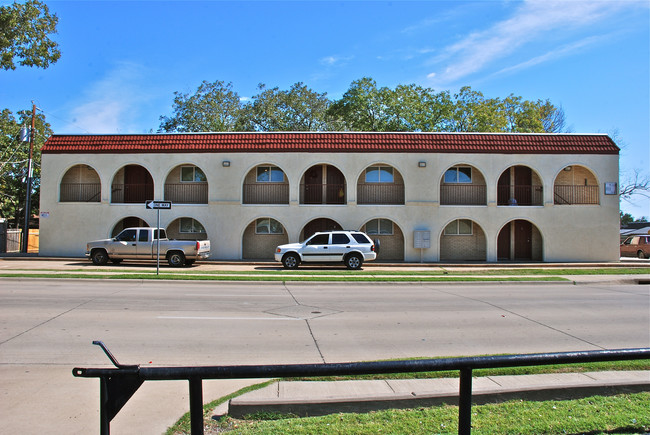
x=626, y=413
x=281, y=277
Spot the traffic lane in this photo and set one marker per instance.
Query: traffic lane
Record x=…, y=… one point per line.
x=475, y=319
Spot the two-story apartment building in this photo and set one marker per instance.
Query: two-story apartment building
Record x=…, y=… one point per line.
x=427, y=196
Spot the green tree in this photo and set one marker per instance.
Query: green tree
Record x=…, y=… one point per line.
x=364, y=107
x=14, y=156
x=24, y=34
x=297, y=109
x=213, y=107
x=415, y=108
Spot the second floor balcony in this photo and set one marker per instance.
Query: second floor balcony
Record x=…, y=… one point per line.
x=380, y=194
x=463, y=194
x=322, y=194
x=80, y=192
x=266, y=193
x=518, y=195
x=186, y=193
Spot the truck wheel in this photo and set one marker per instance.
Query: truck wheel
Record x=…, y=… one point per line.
x=290, y=261
x=176, y=259
x=353, y=261
x=640, y=255
x=99, y=257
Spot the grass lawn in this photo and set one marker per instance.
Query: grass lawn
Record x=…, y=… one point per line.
x=626, y=413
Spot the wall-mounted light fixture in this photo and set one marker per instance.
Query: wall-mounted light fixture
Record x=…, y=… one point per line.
x=422, y=164
x=568, y=168
x=225, y=163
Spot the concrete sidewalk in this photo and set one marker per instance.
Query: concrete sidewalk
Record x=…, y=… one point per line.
x=306, y=398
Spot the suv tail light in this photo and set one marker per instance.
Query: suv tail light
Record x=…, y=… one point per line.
x=372, y=248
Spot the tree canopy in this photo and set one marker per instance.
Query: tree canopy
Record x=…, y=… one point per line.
x=363, y=107
x=13, y=162
x=25, y=31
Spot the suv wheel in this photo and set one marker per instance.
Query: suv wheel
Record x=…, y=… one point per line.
x=290, y=261
x=353, y=261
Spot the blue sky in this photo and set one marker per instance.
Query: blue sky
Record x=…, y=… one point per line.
x=122, y=60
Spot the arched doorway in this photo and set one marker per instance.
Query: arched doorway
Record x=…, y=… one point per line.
x=80, y=183
x=132, y=184
x=390, y=236
x=261, y=237
x=318, y=225
x=519, y=240
x=323, y=184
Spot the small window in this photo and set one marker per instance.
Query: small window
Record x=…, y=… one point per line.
x=268, y=226
x=163, y=234
x=459, y=174
x=269, y=174
x=192, y=174
x=381, y=227
x=127, y=236
x=459, y=227
x=379, y=174
x=361, y=238
x=340, y=239
x=143, y=236
x=319, y=239
x=189, y=225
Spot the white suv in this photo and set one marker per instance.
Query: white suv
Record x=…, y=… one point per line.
x=350, y=247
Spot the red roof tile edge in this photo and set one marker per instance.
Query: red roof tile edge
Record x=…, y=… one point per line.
x=350, y=142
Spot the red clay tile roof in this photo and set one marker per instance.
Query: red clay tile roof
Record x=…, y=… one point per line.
x=498, y=143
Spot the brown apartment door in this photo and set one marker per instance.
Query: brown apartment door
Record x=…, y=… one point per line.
x=523, y=240
x=503, y=188
x=523, y=185
x=335, y=186
x=314, y=185
x=138, y=184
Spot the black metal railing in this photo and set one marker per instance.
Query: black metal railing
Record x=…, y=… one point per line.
x=131, y=193
x=463, y=194
x=322, y=194
x=520, y=195
x=117, y=385
x=80, y=192
x=186, y=193
x=266, y=193
x=380, y=194
x=575, y=195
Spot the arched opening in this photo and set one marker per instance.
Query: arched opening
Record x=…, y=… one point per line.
x=186, y=228
x=323, y=184
x=519, y=240
x=390, y=236
x=80, y=183
x=261, y=237
x=380, y=185
x=186, y=184
x=463, y=185
x=266, y=184
x=463, y=240
x=128, y=222
x=318, y=225
x=576, y=185
x=521, y=186
x=132, y=184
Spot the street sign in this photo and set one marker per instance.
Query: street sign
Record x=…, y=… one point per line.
x=153, y=205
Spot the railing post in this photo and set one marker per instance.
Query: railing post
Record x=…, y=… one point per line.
x=196, y=406
x=104, y=420
x=465, y=402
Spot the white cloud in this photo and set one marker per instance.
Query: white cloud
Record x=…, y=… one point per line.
x=112, y=104
x=334, y=60
x=532, y=21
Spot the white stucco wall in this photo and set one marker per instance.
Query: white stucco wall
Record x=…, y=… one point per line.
x=570, y=232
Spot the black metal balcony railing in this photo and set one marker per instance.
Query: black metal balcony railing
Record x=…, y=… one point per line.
x=520, y=195
x=187, y=193
x=322, y=193
x=575, y=195
x=463, y=194
x=80, y=192
x=131, y=193
x=380, y=194
x=266, y=193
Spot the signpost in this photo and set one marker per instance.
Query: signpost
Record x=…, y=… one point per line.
x=158, y=205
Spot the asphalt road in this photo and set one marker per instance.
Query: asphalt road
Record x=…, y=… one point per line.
x=47, y=327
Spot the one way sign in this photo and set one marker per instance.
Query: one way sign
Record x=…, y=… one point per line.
x=152, y=205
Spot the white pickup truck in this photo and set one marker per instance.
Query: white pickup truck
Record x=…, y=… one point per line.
x=142, y=244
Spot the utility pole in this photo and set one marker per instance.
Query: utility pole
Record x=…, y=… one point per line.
x=28, y=199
